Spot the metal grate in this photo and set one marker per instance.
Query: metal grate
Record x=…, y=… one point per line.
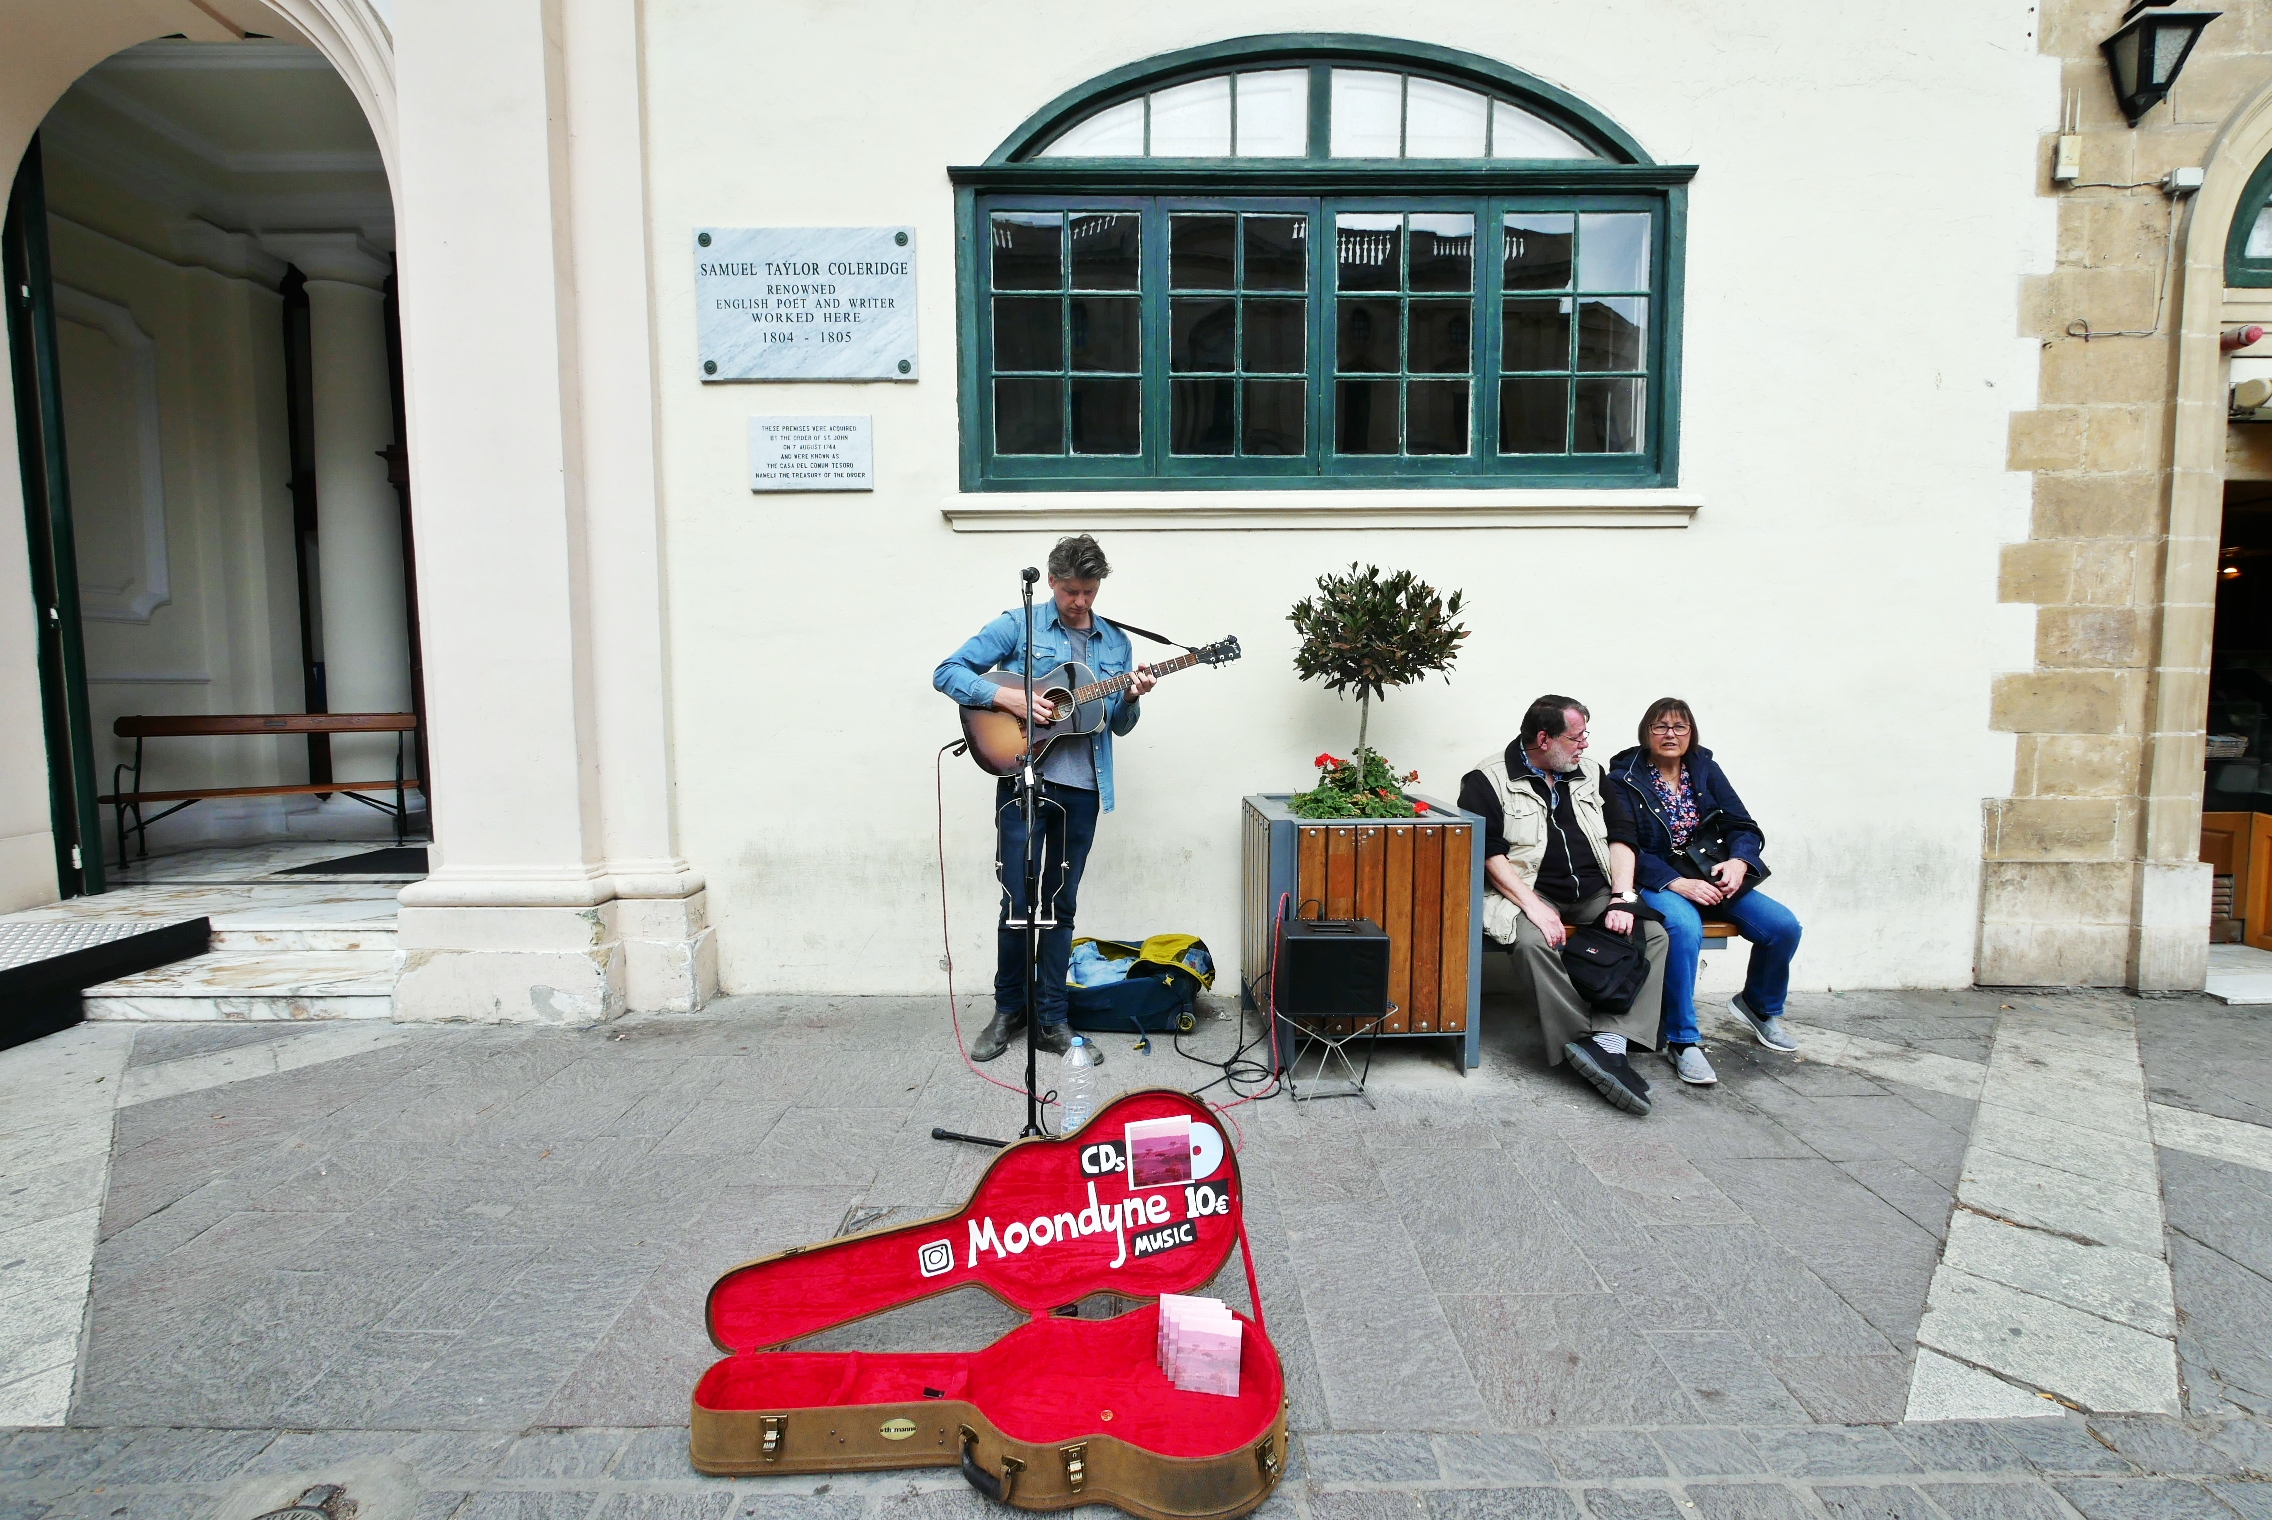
x=23, y=943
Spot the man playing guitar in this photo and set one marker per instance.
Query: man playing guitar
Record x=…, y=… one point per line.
x=1076, y=776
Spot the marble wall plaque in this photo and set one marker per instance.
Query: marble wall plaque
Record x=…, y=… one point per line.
x=805, y=303
x=811, y=454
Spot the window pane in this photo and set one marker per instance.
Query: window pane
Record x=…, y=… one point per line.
x=1277, y=253
x=1613, y=251
x=1203, y=335
x=1515, y=133
x=1435, y=419
x=1193, y=120
x=1276, y=337
x=2259, y=244
x=1104, y=416
x=1609, y=416
x=1368, y=338
x=1274, y=417
x=1105, y=249
x=1105, y=333
x=1117, y=132
x=1537, y=252
x=1535, y=334
x=1368, y=114
x=1029, y=250
x=1443, y=253
x=1202, y=416
x=1274, y=114
x=1368, y=247
x=1026, y=334
x=1533, y=416
x=1439, y=343
x=1199, y=251
x=1443, y=121
x=1029, y=416
x=1613, y=332
x=1365, y=416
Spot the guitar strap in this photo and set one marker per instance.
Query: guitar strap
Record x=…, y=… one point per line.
x=1145, y=633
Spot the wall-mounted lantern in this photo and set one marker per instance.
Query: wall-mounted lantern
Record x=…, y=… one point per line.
x=2146, y=55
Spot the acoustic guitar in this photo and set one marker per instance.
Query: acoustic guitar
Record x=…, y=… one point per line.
x=997, y=739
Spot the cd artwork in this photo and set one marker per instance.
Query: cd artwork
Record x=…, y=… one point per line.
x=1159, y=1152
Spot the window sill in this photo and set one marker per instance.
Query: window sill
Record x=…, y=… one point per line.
x=1191, y=511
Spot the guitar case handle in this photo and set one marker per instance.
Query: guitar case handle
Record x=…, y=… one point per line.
x=997, y=1489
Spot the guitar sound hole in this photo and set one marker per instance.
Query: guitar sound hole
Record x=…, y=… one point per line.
x=1060, y=703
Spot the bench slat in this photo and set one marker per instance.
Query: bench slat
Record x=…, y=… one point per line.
x=264, y=723
x=199, y=793
x=1721, y=929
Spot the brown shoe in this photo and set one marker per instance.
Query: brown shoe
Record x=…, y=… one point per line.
x=1054, y=1038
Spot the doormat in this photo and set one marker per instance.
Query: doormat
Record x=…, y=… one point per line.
x=401, y=860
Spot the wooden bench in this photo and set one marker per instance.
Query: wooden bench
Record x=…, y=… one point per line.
x=130, y=798
x=1717, y=933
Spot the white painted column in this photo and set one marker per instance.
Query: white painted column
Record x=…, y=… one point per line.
x=557, y=893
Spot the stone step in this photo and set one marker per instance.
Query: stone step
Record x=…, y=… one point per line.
x=251, y=938
x=325, y=984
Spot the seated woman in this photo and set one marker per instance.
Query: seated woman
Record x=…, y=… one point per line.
x=1673, y=784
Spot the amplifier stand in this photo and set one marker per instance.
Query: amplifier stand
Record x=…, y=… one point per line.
x=1333, y=1049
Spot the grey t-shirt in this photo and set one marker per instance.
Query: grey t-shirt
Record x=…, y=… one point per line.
x=1072, y=761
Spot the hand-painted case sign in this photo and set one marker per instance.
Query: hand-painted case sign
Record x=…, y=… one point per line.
x=805, y=303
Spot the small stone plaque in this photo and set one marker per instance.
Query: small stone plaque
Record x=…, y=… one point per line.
x=805, y=303
x=811, y=454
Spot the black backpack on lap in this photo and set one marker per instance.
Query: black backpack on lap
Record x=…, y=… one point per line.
x=1608, y=970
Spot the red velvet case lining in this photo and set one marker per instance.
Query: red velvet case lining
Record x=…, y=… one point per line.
x=1051, y=1378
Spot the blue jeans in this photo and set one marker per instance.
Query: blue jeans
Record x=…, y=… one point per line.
x=1067, y=831
x=1774, y=936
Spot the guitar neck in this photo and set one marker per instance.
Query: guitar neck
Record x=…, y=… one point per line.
x=1115, y=684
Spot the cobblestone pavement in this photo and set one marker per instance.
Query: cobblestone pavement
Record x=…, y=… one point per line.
x=461, y=1269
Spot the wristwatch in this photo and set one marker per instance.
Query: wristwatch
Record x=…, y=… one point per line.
x=1625, y=897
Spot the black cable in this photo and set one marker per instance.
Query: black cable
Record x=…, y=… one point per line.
x=1238, y=1069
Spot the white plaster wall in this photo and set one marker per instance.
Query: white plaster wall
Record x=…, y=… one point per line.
x=1861, y=216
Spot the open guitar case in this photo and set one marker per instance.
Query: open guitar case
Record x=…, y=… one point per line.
x=1060, y=1411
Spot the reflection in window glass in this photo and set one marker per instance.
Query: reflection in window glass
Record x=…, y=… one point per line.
x=2259, y=245
x=1029, y=416
x=1105, y=416
x=1200, y=250
x=1608, y=417
x=1027, y=333
x=1067, y=364
x=1274, y=114
x=1443, y=252
x=1369, y=250
x=1613, y=332
x=1104, y=333
x=1253, y=322
x=1193, y=120
x=1104, y=250
x=1114, y=132
x=1368, y=114
x=1277, y=252
x=1515, y=133
x=1613, y=251
x=1534, y=414
x=1403, y=332
x=1029, y=250
x=1537, y=252
x=1444, y=121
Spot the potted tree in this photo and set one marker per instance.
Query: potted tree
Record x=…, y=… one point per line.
x=1358, y=844
x=1366, y=632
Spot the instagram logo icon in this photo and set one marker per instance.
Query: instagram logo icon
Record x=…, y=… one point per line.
x=935, y=1258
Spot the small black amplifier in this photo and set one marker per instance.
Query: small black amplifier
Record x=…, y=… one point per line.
x=1333, y=967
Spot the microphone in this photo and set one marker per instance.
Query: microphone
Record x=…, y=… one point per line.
x=1029, y=575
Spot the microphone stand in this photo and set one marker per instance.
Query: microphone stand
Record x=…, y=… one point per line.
x=1030, y=802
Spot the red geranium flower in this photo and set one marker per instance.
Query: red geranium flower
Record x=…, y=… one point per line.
x=1322, y=762
x=1419, y=805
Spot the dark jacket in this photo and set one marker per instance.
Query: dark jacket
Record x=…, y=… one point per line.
x=1654, y=870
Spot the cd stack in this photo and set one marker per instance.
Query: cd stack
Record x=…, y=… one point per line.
x=1199, y=1344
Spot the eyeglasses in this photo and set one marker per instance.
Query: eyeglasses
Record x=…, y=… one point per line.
x=1669, y=730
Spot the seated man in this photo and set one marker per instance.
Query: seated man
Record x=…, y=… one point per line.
x=1558, y=851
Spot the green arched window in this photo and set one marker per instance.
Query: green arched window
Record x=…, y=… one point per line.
x=2248, y=247
x=1319, y=260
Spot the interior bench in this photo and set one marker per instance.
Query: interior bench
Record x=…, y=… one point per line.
x=129, y=798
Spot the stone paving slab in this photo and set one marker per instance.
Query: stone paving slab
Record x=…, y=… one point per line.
x=1992, y=1470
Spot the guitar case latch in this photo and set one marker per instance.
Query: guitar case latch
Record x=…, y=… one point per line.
x=1266, y=1458
x=776, y=1428
x=1076, y=1465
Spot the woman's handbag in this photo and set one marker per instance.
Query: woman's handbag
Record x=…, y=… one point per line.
x=1709, y=847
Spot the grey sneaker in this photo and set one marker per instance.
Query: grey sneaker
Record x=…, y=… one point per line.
x=1770, y=1031
x=1688, y=1064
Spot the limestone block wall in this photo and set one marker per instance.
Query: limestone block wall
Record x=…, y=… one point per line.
x=2089, y=872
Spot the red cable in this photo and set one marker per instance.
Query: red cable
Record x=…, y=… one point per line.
x=954, y=1010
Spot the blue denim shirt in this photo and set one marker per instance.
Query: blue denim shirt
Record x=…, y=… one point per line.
x=998, y=646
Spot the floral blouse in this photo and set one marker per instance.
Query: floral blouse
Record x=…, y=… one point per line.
x=1678, y=802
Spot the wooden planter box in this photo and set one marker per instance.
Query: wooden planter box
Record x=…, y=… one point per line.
x=1421, y=879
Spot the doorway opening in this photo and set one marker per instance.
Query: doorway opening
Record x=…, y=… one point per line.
x=210, y=411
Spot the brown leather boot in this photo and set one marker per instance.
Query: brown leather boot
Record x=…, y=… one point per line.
x=995, y=1037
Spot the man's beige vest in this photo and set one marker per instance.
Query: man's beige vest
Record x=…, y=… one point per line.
x=1527, y=825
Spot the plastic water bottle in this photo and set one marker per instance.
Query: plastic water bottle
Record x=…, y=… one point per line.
x=1077, y=1084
